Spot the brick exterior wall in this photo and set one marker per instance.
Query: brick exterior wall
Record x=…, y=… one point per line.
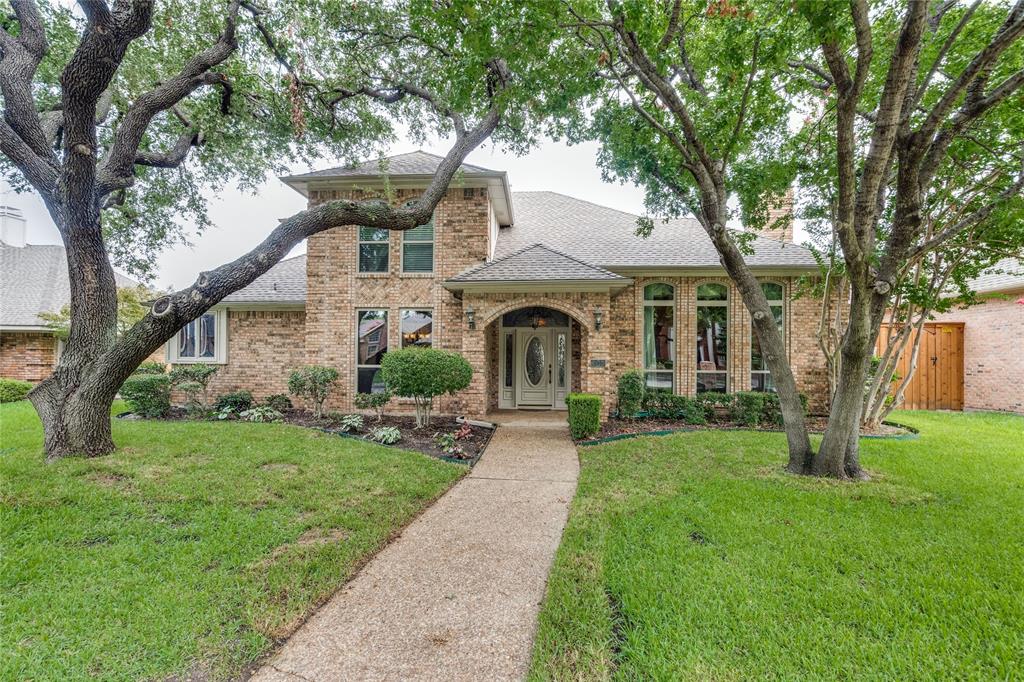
x=993, y=362
x=265, y=346
x=29, y=356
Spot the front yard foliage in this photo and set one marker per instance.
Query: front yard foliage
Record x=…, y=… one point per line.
x=665, y=405
x=314, y=383
x=194, y=381
x=148, y=395
x=151, y=367
x=584, y=414
x=424, y=373
x=13, y=390
x=237, y=401
x=279, y=401
x=260, y=414
x=350, y=422
x=373, y=401
x=632, y=387
x=386, y=435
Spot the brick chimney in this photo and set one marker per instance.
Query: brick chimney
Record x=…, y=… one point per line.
x=12, y=226
x=780, y=219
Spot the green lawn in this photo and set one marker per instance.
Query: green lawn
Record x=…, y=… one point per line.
x=191, y=548
x=692, y=556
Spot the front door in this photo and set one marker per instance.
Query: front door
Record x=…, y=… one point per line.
x=534, y=384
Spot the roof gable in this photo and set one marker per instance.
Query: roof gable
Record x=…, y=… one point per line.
x=418, y=162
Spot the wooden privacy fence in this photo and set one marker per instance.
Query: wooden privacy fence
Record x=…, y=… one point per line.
x=938, y=383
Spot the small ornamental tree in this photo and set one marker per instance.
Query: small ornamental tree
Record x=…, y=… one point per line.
x=313, y=382
x=194, y=380
x=422, y=374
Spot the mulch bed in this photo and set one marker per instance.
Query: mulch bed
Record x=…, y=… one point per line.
x=815, y=424
x=420, y=440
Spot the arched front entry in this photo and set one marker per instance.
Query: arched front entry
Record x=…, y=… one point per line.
x=535, y=353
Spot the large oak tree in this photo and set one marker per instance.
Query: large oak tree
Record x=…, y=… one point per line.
x=118, y=115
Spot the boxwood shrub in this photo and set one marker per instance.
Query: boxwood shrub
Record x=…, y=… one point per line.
x=631, y=393
x=148, y=395
x=584, y=414
x=237, y=401
x=13, y=390
x=665, y=405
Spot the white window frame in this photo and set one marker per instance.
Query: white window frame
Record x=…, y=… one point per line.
x=359, y=251
x=713, y=304
x=433, y=251
x=220, y=341
x=772, y=303
x=418, y=309
x=387, y=338
x=643, y=332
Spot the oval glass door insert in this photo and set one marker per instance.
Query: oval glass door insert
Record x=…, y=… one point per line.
x=535, y=361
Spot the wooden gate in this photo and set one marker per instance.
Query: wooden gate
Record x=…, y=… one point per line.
x=938, y=383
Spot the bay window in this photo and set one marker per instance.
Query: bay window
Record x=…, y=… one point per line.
x=712, y=338
x=760, y=377
x=659, y=336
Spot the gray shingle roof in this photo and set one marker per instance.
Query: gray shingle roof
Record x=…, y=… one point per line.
x=606, y=237
x=33, y=280
x=414, y=163
x=536, y=262
x=1005, y=275
x=283, y=283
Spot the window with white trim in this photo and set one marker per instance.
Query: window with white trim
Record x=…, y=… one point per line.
x=373, y=249
x=417, y=328
x=201, y=340
x=659, y=336
x=760, y=377
x=372, y=330
x=712, y=338
x=418, y=249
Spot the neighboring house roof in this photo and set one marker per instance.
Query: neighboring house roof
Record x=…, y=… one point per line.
x=607, y=237
x=285, y=282
x=537, y=262
x=418, y=162
x=33, y=280
x=1006, y=275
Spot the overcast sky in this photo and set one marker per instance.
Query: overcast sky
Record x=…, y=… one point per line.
x=241, y=220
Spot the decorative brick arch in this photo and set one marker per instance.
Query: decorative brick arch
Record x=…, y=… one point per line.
x=574, y=312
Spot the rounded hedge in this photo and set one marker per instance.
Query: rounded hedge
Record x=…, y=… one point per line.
x=13, y=390
x=424, y=372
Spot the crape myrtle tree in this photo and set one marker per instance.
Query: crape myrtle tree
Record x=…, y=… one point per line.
x=923, y=105
x=686, y=102
x=696, y=105
x=119, y=114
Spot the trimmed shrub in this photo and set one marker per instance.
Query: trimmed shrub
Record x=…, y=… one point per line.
x=715, y=406
x=194, y=380
x=631, y=393
x=313, y=382
x=584, y=414
x=373, y=401
x=748, y=407
x=148, y=395
x=422, y=374
x=151, y=367
x=278, y=401
x=13, y=390
x=665, y=405
x=238, y=401
x=772, y=411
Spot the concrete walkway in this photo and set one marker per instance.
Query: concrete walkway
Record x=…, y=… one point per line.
x=456, y=596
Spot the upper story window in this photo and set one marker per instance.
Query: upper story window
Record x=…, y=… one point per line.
x=659, y=336
x=201, y=340
x=712, y=338
x=760, y=377
x=373, y=249
x=418, y=249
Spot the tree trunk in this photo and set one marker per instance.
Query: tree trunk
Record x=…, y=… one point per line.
x=76, y=422
x=838, y=455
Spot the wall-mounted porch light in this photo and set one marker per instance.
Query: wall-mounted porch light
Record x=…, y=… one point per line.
x=598, y=318
x=470, y=317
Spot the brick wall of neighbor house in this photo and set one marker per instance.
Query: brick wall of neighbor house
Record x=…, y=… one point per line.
x=336, y=290
x=993, y=361
x=264, y=346
x=29, y=356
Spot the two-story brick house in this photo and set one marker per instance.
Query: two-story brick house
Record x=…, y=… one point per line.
x=542, y=293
